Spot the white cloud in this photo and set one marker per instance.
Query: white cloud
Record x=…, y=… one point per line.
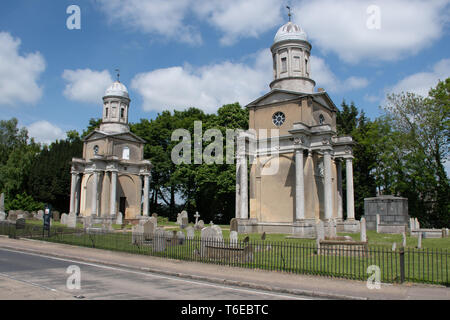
x=207, y=87
x=86, y=85
x=406, y=27
x=45, y=132
x=324, y=77
x=18, y=74
x=240, y=19
x=422, y=82
x=156, y=17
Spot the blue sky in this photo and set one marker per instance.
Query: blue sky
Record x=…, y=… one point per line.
x=180, y=53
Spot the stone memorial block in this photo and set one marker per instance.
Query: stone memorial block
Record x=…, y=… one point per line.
x=137, y=234
x=190, y=233
x=12, y=215
x=419, y=241
x=363, y=230
x=64, y=218
x=2, y=202
x=393, y=213
x=233, y=239
x=210, y=236
x=184, y=222
x=404, y=239
x=119, y=218
x=181, y=237
x=2, y=216
x=72, y=220
x=149, y=230
x=56, y=215
x=233, y=224
x=200, y=225
x=159, y=240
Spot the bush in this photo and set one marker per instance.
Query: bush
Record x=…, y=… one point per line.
x=23, y=202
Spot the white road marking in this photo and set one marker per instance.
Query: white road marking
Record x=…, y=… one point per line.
x=27, y=282
x=148, y=274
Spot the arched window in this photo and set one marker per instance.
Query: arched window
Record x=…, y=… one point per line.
x=96, y=148
x=122, y=113
x=126, y=153
x=106, y=113
x=321, y=119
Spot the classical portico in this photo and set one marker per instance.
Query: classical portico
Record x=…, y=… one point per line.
x=112, y=176
x=293, y=152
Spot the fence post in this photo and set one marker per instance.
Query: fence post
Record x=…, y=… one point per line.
x=402, y=264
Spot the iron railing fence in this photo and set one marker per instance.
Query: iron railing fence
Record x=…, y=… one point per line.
x=351, y=262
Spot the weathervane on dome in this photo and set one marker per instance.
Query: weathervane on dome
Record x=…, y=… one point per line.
x=289, y=13
x=118, y=74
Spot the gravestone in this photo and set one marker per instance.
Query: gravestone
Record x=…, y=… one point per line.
x=2, y=216
x=393, y=213
x=363, y=230
x=320, y=230
x=233, y=239
x=210, y=236
x=20, y=223
x=72, y=220
x=87, y=222
x=155, y=215
x=137, y=234
x=181, y=237
x=64, y=218
x=40, y=215
x=56, y=216
x=419, y=241
x=411, y=224
x=119, y=218
x=404, y=239
x=159, y=240
x=2, y=202
x=190, y=233
x=12, y=215
x=196, y=216
x=330, y=228
x=416, y=223
x=394, y=246
x=200, y=225
x=20, y=214
x=233, y=225
x=149, y=230
x=378, y=221
x=184, y=222
x=106, y=225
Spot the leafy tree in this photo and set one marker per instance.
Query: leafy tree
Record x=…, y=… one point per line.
x=24, y=202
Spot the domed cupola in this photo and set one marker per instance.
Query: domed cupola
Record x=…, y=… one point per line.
x=116, y=103
x=291, y=59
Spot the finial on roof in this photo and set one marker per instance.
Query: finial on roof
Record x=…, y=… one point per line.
x=289, y=12
x=118, y=74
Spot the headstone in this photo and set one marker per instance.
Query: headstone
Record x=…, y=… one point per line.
x=159, y=240
x=233, y=225
x=419, y=241
x=411, y=224
x=210, y=236
x=149, y=229
x=2, y=216
x=64, y=218
x=330, y=229
x=211, y=223
x=19, y=214
x=181, y=237
x=320, y=232
x=196, y=216
x=178, y=219
x=56, y=215
x=20, y=223
x=200, y=225
x=233, y=239
x=417, y=224
x=87, y=222
x=154, y=215
x=40, y=215
x=137, y=234
x=404, y=239
x=394, y=246
x=190, y=233
x=106, y=224
x=72, y=220
x=119, y=218
x=377, y=221
x=363, y=230
x=184, y=222
x=12, y=215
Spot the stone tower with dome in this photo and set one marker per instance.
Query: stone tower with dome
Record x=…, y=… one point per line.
x=112, y=176
x=295, y=157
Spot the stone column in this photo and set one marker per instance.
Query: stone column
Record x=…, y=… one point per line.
x=339, y=189
x=146, y=191
x=238, y=196
x=244, y=187
x=94, y=210
x=299, y=186
x=350, y=199
x=327, y=184
x=73, y=186
x=113, y=194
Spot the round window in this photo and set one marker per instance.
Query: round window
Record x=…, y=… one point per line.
x=278, y=118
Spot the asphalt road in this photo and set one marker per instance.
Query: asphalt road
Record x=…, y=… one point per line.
x=32, y=276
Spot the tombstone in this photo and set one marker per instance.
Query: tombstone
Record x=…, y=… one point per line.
x=394, y=246
x=196, y=216
x=200, y=225
x=330, y=229
x=106, y=224
x=404, y=239
x=411, y=224
x=12, y=215
x=377, y=222
x=184, y=222
x=233, y=239
x=40, y=215
x=72, y=220
x=178, y=219
x=20, y=214
x=417, y=224
x=263, y=236
x=87, y=222
x=159, y=240
x=20, y=223
x=155, y=215
x=210, y=236
x=148, y=229
x=56, y=215
x=419, y=241
x=2, y=202
x=2, y=216
x=119, y=218
x=190, y=233
x=233, y=225
x=64, y=218
x=211, y=223
x=137, y=234
x=363, y=230
x=181, y=237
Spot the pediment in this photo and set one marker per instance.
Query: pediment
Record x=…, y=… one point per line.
x=275, y=96
x=129, y=136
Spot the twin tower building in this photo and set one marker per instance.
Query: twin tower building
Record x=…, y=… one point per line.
x=113, y=177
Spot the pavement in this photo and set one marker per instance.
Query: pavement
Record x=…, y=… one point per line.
x=259, y=283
